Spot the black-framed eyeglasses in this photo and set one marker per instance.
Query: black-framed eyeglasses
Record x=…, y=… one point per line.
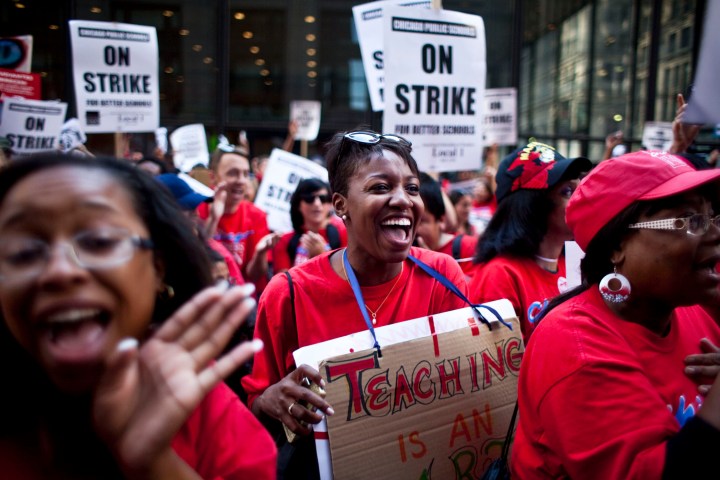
x=697, y=224
x=371, y=138
x=311, y=197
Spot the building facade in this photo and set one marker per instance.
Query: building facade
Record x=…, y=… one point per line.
x=583, y=69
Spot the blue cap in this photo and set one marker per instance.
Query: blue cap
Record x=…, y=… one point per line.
x=188, y=198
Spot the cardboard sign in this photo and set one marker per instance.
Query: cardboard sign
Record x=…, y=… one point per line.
x=20, y=84
x=500, y=124
x=32, y=126
x=657, y=136
x=369, y=27
x=436, y=405
x=189, y=147
x=282, y=174
x=704, y=104
x=306, y=113
x=16, y=53
x=435, y=85
x=115, y=72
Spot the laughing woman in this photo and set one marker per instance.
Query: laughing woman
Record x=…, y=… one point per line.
x=109, y=331
x=375, y=184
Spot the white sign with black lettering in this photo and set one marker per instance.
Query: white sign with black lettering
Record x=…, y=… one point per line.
x=435, y=85
x=369, y=27
x=282, y=174
x=500, y=126
x=32, y=126
x=189, y=147
x=115, y=72
x=657, y=136
x=306, y=114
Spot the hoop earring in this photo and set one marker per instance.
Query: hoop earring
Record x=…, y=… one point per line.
x=615, y=287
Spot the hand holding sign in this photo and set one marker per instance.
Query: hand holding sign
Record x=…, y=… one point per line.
x=683, y=133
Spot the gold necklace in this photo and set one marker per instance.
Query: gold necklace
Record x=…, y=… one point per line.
x=374, y=314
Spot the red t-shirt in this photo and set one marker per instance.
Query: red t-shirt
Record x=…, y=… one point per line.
x=326, y=308
x=222, y=439
x=240, y=232
x=233, y=269
x=468, y=243
x=600, y=396
x=528, y=286
x=281, y=258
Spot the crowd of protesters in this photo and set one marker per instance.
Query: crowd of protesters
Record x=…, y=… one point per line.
x=125, y=360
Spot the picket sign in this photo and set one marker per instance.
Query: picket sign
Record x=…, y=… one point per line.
x=437, y=404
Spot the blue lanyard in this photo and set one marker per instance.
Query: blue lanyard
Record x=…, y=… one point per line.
x=358, y=296
x=430, y=271
x=451, y=286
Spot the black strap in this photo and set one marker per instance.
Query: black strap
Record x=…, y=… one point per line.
x=506, y=445
x=457, y=241
x=292, y=251
x=291, y=286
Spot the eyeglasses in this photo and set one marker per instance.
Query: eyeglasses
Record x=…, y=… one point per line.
x=371, y=138
x=697, y=224
x=324, y=198
x=25, y=257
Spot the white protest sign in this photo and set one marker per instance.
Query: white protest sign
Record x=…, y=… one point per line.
x=282, y=174
x=657, y=136
x=500, y=124
x=435, y=85
x=369, y=27
x=115, y=72
x=573, y=256
x=306, y=114
x=72, y=135
x=704, y=104
x=189, y=146
x=32, y=126
x=16, y=53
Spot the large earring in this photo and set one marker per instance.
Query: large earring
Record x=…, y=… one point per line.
x=615, y=287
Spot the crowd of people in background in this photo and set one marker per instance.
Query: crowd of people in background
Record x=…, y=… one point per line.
x=120, y=339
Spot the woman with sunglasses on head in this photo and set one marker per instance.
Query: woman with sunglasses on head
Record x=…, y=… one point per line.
x=376, y=191
x=620, y=378
x=315, y=228
x=519, y=255
x=109, y=331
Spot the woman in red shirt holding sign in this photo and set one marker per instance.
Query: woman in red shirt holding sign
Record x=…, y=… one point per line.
x=375, y=184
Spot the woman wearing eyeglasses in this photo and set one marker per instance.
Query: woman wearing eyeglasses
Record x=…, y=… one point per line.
x=619, y=379
x=315, y=228
x=109, y=332
x=375, y=184
x=519, y=255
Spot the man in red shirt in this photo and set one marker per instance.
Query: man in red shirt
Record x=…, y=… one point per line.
x=235, y=222
x=431, y=234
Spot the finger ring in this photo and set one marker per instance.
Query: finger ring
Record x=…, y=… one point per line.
x=290, y=408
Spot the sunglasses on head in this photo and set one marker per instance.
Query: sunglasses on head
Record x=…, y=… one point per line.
x=310, y=198
x=371, y=138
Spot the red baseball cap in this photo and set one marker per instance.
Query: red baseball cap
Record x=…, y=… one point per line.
x=617, y=183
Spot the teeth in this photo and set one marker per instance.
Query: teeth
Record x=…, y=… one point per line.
x=76, y=315
x=397, y=222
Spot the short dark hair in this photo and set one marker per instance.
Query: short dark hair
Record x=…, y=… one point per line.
x=218, y=154
x=344, y=157
x=431, y=195
x=187, y=268
x=457, y=194
x=305, y=187
x=517, y=227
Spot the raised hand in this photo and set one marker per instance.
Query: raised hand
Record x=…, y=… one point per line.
x=148, y=392
x=314, y=243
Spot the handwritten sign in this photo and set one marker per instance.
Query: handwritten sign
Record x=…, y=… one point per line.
x=437, y=404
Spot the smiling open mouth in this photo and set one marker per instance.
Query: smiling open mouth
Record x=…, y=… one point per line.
x=77, y=329
x=397, y=228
